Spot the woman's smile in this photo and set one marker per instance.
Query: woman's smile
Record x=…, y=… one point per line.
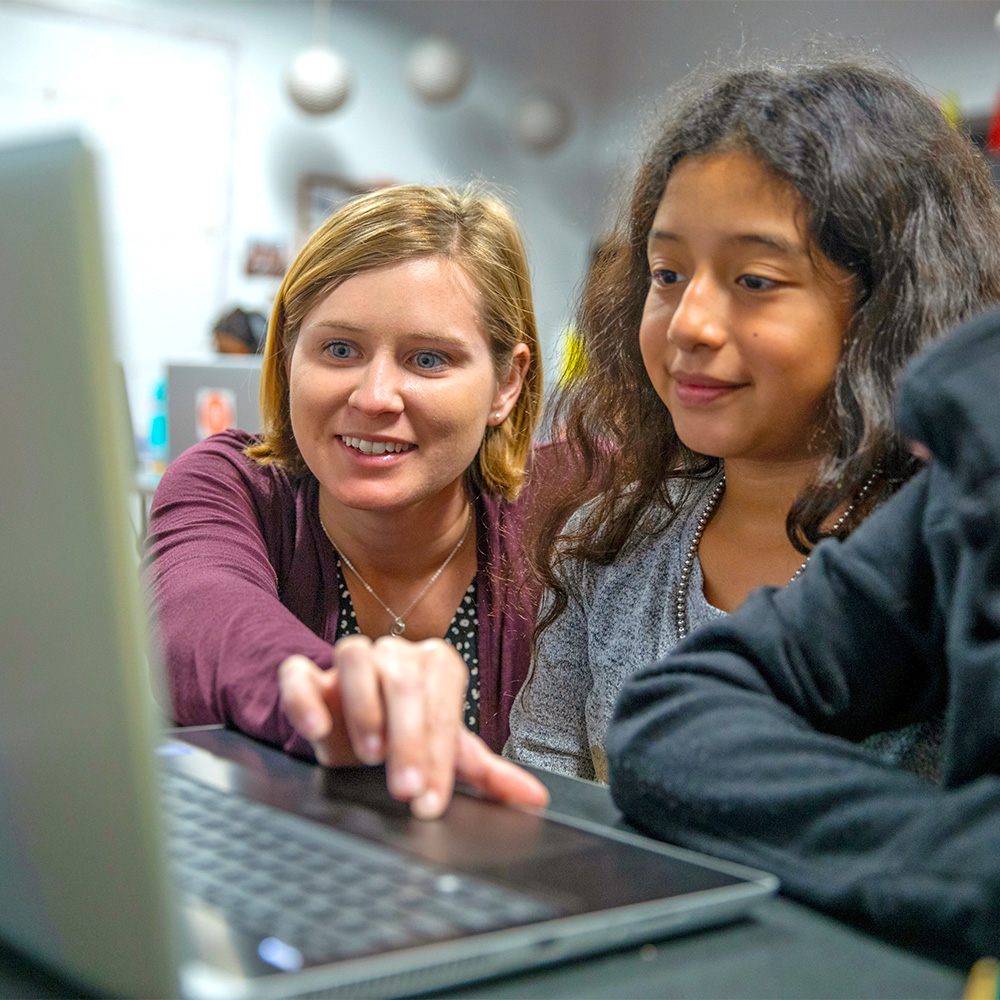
x=370, y=446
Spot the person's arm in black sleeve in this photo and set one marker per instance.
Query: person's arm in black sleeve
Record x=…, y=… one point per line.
x=740, y=744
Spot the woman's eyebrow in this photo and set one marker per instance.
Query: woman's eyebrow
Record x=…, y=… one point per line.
x=335, y=324
x=441, y=337
x=438, y=337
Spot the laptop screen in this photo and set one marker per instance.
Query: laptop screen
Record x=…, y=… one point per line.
x=81, y=857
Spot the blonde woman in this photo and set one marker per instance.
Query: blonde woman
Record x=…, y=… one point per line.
x=382, y=507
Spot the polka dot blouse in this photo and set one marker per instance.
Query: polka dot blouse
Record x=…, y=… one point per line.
x=463, y=634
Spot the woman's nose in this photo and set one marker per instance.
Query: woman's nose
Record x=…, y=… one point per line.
x=378, y=388
x=700, y=317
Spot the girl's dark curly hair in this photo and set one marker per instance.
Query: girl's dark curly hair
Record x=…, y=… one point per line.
x=892, y=193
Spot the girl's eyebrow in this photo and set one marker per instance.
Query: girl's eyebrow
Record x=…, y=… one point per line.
x=661, y=236
x=790, y=248
x=785, y=246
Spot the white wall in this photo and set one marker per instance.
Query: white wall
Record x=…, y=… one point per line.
x=949, y=46
x=165, y=170
x=203, y=150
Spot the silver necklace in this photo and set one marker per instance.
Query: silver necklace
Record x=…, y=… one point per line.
x=684, y=583
x=398, y=626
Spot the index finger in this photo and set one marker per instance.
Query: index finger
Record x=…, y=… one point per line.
x=422, y=684
x=446, y=679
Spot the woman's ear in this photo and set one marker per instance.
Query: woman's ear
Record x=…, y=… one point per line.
x=508, y=390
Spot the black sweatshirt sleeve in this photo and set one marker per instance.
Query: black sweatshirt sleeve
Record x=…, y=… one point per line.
x=741, y=744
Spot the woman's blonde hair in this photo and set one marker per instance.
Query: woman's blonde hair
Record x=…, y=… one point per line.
x=389, y=226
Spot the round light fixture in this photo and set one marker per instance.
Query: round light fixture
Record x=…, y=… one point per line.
x=319, y=80
x=437, y=71
x=542, y=123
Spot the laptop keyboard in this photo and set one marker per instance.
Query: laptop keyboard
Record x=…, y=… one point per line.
x=323, y=892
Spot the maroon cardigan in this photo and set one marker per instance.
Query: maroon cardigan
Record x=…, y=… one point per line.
x=239, y=576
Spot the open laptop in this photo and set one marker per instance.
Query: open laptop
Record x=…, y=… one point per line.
x=92, y=888
x=204, y=398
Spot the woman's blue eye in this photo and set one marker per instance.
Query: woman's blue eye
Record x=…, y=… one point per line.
x=428, y=360
x=339, y=350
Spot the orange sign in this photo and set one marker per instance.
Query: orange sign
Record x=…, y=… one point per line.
x=215, y=410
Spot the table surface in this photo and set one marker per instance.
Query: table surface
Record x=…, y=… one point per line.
x=781, y=950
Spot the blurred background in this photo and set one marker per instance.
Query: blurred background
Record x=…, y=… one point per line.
x=227, y=128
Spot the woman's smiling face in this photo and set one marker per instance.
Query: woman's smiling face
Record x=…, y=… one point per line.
x=392, y=384
x=744, y=320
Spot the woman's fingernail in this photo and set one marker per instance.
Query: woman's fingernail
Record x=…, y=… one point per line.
x=312, y=725
x=371, y=750
x=427, y=806
x=408, y=783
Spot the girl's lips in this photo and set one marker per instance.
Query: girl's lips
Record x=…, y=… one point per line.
x=694, y=389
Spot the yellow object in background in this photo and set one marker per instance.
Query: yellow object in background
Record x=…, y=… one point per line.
x=574, y=361
x=983, y=980
x=951, y=108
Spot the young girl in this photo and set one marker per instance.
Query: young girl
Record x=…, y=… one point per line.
x=795, y=234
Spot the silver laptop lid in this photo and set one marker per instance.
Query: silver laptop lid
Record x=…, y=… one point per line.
x=83, y=869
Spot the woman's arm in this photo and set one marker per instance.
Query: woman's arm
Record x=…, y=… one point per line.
x=236, y=654
x=213, y=590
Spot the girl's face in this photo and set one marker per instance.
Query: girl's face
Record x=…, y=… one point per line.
x=392, y=385
x=742, y=328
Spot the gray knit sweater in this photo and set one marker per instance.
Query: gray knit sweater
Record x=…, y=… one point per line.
x=620, y=619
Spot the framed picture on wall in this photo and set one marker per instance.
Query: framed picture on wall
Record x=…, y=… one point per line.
x=265, y=258
x=318, y=196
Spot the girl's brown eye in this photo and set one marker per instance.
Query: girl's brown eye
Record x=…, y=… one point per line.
x=755, y=283
x=664, y=276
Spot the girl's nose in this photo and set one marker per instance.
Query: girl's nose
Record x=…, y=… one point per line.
x=699, y=319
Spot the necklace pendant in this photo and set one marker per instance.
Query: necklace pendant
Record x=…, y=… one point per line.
x=398, y=627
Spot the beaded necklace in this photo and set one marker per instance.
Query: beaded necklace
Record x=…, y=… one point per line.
x=687, y=568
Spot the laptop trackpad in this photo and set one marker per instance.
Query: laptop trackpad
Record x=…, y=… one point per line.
x=525, y=848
